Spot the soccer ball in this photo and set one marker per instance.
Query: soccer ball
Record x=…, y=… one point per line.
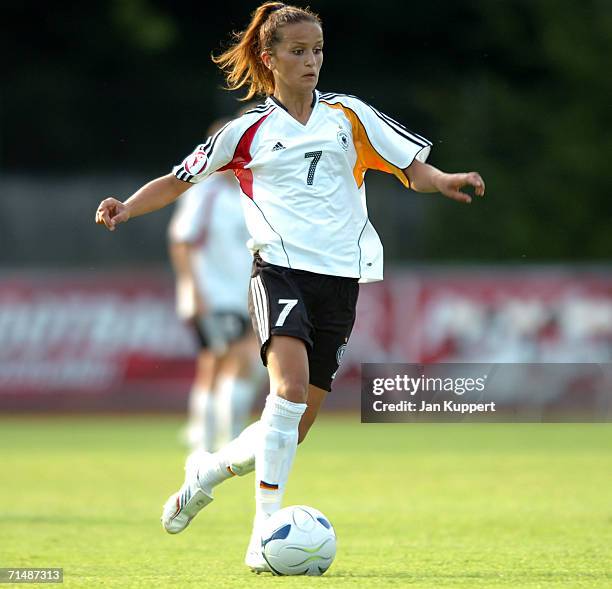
x=298, y=540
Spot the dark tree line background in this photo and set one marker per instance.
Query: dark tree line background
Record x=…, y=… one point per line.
x=520, y=90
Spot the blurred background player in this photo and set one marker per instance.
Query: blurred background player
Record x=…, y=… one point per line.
x=207, y=243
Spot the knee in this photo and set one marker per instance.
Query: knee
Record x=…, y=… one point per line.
x=293, y=390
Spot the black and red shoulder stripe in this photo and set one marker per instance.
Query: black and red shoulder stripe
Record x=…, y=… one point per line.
x=243, y=156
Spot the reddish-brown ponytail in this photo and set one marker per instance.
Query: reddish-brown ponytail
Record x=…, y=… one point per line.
x=242, y=63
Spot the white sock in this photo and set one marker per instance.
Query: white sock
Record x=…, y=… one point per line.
x=274, y=453
x=201, y=428
x=234, y=400
x=235, y=458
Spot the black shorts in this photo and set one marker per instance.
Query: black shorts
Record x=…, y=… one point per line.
x=216, y=331
x=316, y=308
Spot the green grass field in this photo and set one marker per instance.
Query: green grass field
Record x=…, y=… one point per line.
x=422, y=506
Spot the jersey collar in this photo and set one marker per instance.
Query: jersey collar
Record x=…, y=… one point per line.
x=315, y=100
x=315, y=97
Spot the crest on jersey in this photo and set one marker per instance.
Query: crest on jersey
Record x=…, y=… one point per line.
x=195, y=163
x=343, y=139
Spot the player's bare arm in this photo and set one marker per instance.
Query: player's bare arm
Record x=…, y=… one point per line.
x=152, y=196
x=427, y=178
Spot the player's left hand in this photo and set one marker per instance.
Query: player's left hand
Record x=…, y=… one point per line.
x=450, y=185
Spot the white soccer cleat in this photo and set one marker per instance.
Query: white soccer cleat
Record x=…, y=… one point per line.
x=182, y=506
x=256, y=562
x=254, y=558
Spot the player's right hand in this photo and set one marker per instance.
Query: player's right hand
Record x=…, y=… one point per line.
x=111, y=212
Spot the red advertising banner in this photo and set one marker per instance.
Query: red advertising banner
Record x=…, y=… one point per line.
x=112, y=342
x=100, y=341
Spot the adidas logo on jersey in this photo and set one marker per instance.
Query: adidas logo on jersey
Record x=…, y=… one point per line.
x=278, y=146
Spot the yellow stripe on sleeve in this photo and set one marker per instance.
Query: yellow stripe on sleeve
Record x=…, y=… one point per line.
x=367, y=157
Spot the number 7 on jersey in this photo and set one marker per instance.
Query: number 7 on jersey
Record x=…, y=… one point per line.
x=316, y=156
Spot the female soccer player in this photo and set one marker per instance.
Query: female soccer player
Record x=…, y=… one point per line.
x=300, y=159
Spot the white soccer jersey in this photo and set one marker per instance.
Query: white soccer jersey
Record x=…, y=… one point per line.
x=306, y=207
x=209, y=216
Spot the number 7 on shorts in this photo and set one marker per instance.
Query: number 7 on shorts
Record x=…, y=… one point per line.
x=289, y=304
